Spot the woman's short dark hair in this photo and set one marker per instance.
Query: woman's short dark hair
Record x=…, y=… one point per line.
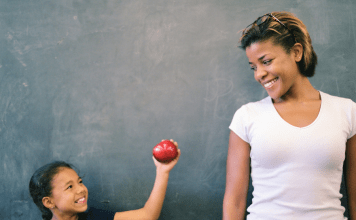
x=286, y=36
x=41, y=184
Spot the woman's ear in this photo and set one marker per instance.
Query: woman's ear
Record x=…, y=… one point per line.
x=297, y=51
x=48, y=203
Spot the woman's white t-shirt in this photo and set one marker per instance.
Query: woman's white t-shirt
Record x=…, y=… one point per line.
x=296, y=172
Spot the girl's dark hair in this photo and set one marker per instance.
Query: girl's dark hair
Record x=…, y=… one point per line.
x=286, y=36
x=41, y=184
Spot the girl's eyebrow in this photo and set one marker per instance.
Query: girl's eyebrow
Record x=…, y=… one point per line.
x=69, y=182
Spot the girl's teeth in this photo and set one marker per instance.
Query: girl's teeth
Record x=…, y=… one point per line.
x=81, y=200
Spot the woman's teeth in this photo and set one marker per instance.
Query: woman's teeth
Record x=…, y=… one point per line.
x=270, y=83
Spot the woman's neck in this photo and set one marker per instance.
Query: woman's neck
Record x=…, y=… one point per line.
x=303, y=91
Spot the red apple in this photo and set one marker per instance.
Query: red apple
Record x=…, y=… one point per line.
x=165, y=151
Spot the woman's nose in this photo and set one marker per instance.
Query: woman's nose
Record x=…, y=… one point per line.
x=260, y=73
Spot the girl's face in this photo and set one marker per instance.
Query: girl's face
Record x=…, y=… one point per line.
x=273, y=68
x=69, y=194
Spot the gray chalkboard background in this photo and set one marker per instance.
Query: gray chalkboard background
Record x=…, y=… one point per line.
x=99, y=83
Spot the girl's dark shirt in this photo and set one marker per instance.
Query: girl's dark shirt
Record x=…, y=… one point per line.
x=96, y=214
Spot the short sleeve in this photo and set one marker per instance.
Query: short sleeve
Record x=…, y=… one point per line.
x=352, y=120
x=239, y=123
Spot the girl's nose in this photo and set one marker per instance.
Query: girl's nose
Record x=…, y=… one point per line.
x=81, y=188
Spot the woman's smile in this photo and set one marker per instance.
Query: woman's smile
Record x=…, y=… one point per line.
x=269, y=84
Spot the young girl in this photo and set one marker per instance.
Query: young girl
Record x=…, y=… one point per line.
x=60, y=194
x=294, y=141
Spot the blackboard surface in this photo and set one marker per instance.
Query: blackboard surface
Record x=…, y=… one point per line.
x=99, y=83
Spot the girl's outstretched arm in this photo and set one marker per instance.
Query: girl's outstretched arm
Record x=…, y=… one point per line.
x=153, y=206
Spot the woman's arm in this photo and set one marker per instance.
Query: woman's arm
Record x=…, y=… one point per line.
x=237, y=178
x=153, y=206
x=350, y=176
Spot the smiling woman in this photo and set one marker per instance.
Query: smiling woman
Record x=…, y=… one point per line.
x=275, y=69
x=271, y=27
x=293, y=142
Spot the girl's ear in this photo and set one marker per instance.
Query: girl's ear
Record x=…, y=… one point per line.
x=48, y=203
x=297, y=51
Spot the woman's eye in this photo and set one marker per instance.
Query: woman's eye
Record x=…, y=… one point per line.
x=253, y=68
x=69, y=187
x=266, y=62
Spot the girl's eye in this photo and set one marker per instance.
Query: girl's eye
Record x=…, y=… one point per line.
x=253, y=68
x=81, y=181
x=69, y=187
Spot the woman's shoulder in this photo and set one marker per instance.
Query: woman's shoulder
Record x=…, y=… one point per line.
x=252, y=110
x=257, y=105
x=336, y=100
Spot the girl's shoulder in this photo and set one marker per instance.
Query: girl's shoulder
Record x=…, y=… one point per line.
x=96, y=214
